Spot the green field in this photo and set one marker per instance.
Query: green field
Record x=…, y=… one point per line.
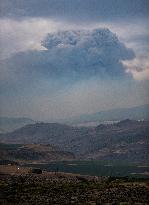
x=99, y=168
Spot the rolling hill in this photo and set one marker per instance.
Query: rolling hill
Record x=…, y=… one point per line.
x=125, y=140
x=33, y=153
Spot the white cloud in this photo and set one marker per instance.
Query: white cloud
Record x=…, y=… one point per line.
x=139, y=68
x=135, y=35
x=22, y=35
x=26, y=34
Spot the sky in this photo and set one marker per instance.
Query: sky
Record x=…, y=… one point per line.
x=64, y=58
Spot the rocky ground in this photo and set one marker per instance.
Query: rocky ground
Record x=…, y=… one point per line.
x=65, y=189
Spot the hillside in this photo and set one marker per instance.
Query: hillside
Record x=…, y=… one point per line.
x=62, y=189
x=60, y=135
x=126, y=140
x=33, y=153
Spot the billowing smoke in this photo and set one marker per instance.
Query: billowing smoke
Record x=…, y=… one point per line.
x=94, y=52
x=78, y=54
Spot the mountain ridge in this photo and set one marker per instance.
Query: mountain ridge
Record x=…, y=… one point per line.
x=8, y=124
x=112, y=141
x=133, y=113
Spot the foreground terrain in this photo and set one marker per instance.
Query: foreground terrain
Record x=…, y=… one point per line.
x=61, y=189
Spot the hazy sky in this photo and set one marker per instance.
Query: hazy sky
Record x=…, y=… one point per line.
x=63, y=58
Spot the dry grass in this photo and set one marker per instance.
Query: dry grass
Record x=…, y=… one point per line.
x=13, y=169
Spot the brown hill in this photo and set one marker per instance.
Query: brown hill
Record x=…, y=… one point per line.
x=125, y=140
x=33, y=153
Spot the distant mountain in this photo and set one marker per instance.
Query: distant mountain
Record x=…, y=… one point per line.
x=125, y=140
x=8, y=124
x=134, y=113
x=47, y=133
x=33, y=153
